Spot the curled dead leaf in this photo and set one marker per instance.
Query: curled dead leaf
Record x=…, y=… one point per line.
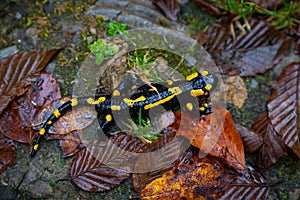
x=214, y=134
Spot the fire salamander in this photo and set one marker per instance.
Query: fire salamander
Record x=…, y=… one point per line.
x=197, y=85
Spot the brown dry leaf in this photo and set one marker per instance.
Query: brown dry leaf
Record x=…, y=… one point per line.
x=273, y=146
x=170, y=8
x=193, y=178
x=71, y=143
x=7, y=156
x=210, y=7
x=78, y=119
x=250, y=53
x=235, y=91
x=249, y=184
x=17, y=72
x=90, y=174
x=144, y=157
x=252, y=141
x=214, y=134
x=284, y=106
x=16, y=121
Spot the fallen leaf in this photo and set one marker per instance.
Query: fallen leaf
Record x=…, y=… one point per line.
x=249, y=184
x=252, y=141
x=71, y=143
x=78, y=119
x=17, y=72
x=272, y=147
x=170, y=8
x=210, y=7
x=250, y=53
x=194, y=178
x=16, y=121
x=90, y=174
x=284, y=106
x=7, y=156
x=214, y=134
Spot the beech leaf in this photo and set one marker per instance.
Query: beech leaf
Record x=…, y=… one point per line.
x=16, y=121
x=252, y=141
x=18, y=70
x=79, y=118
x=249, y=53
x=90, y=174
x=272, y=147
x=215, y=134
x=249, y=184
x=284, y=106
x=171, y=8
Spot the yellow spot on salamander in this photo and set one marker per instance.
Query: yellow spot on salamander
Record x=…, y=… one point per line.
x=202, y=109
x=116, y=93
x=175, y=90
x=50, y=122
x=95, y=102
x=114, y=107
x=151, y=105
x=204, y=73
x=56, y=113
x=189, y=106
x=108, y=118
x=169, y=82
x=74, y=102
x=206, y=105
x=208, y=86
x=196, y=93
x=130, y=102
x=35, y=147
x=192, y=76
x=42, y=131
x=133, y=87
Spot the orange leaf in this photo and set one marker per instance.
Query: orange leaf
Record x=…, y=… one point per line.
x=214, y=134
x=199, y=178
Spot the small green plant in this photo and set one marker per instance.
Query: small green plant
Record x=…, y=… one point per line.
x=102, y=50
x=143, y=62
x=114, y=28
x=282, y=18
x=142, y=129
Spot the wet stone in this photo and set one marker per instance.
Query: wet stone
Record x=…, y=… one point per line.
x=135, y=14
